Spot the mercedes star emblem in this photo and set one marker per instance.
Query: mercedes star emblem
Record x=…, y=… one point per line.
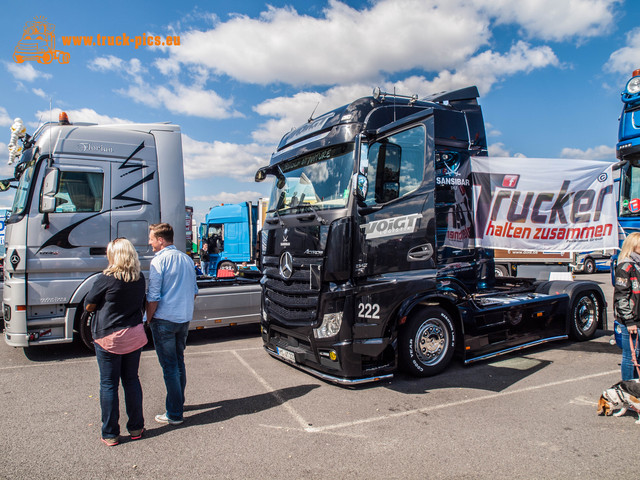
x=286, y=265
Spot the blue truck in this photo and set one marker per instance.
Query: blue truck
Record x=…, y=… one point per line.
x=628, y=152
x=230, y=232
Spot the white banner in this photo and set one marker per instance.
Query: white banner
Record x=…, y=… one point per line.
x=544, y=204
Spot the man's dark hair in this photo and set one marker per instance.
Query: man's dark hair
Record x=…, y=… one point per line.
x=162, y=230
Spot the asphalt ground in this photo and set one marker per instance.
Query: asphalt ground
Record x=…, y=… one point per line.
x=523, y=416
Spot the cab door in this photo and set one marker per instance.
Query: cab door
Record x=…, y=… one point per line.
x=398, y=215
x=70, y=236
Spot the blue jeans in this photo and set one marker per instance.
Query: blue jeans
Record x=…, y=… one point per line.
x=627, y=369
x=170, y=339
x=205, y=267
x=113, y=369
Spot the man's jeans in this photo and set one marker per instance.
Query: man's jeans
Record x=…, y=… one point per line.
x=627, y=369
x=170, y=340
x=114, y=368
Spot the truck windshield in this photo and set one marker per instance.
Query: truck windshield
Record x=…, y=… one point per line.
x=318, y=181
x=24, y=186
x=629, y=205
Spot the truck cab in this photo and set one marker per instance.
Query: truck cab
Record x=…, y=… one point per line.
x=368, y=248
x=79, y=187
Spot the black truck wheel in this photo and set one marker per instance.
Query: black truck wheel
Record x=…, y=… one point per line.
x=427, y=342
x=84, y=326
x=228, y=265
x=589, y=266
x=584, y=315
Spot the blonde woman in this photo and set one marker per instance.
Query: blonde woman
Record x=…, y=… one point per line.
x=626, y=300
x=117, y=297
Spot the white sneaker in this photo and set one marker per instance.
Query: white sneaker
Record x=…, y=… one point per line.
x=165, y=419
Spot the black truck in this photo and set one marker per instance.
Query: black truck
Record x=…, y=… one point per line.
x=367, y=252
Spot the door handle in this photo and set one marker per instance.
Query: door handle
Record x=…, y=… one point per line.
x=420, y=253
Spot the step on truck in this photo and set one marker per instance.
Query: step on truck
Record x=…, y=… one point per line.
x=79, y=186
x=359, y=277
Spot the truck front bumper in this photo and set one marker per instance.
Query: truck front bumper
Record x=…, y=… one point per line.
x=339, y=362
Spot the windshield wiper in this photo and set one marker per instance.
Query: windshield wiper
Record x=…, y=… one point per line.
x=314, y=209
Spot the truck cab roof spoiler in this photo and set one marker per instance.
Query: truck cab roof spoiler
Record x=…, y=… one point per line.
x=467, y=93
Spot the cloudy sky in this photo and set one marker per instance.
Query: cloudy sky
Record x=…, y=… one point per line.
x=550, y=72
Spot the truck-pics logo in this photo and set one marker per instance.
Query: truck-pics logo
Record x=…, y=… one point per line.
x=391, y=226
x=39, y=43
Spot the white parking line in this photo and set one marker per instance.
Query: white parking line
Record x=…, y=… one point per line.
x=301, y=421
x=454, y=404
x=145, y=355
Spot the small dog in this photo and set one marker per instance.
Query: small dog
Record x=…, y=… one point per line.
x=622, y=396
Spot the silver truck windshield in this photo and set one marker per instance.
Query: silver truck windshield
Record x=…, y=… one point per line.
x=317, y=181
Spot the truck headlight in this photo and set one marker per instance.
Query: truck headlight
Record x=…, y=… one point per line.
x=633, y=86
x=330, y=327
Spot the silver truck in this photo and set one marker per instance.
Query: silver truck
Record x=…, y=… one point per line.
x=78, y=187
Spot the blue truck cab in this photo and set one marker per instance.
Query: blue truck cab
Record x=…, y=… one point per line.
x=629, y=128
x=230, y=231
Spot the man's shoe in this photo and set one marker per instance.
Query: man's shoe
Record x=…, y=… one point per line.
x=165, y=419
x=111, y=442
x=136, y=434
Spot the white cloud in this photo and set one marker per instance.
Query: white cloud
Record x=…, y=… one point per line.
x=6, y=171
x=483, y=70
x=344, y=45
x=499, y=150
x=602, y=152
x=25, y=72
x=192, y=100
x=204, y=159
x=5, y=119
x=79, y=115
x=626, y=59
x=554, y=19
x=39, y=92
x=132, y=68
x=227, y=197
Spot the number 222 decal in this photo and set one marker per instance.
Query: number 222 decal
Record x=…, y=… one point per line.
x=368, y=310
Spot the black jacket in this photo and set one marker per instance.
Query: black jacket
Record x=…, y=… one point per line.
x=119, y=304
x=626, y=293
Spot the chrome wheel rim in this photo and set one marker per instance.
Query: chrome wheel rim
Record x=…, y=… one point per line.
x=431, y=341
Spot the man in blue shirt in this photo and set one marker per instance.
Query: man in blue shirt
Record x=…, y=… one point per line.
x=170, y=299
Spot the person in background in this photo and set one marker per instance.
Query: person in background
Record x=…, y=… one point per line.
x=118, y=333
x=626, y=300
x=204, y=258
x=170, y=301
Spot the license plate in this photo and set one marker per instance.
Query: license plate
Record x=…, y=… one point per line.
x=286, y=354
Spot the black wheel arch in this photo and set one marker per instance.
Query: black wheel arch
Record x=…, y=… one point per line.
x=436, y=299
x=573, y=289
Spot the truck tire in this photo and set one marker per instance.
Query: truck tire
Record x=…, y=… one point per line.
x=501, y=271
x=427, y=343
x=228, y=265
x=584, y=315
x=84, y=326
x=589, y=266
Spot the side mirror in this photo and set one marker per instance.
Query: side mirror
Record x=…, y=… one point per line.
x=5, y=185
x=362, y=187
x=261, y=175
x=49, y=190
